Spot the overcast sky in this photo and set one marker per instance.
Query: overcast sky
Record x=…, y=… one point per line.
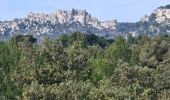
x=122, y=10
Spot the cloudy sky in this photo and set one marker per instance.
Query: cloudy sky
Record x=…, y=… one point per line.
x=122, y=10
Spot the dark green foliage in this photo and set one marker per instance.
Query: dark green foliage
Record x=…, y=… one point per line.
x=85, y=67
x=101, y=41
x=64, y=39
x=21, y=38
x=118, y=50
x=86, y=40
x=130, y=39
x=9, y=57
x=152, y=52
x=78, y=61
x=134, y=58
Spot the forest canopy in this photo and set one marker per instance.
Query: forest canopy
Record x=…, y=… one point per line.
x=85, y=67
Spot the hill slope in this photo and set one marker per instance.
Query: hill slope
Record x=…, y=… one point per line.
x=60, y=22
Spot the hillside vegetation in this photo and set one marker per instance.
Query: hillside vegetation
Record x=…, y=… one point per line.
x=85, y=67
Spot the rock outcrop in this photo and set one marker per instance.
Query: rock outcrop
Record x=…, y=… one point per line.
x=69, y=17
x=158, y=22
x=65, y=22
x=161, y=15
x=59, y=22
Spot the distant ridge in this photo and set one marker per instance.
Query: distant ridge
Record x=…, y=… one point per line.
x=65, y=22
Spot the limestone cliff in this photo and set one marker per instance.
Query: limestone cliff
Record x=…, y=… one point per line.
x=57, y=23
x=66, y=22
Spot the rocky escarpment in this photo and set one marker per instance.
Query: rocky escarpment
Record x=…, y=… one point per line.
x=158, y=22
x=69, y=17
x=59, y=22
x=65, y=22
x=161, y=15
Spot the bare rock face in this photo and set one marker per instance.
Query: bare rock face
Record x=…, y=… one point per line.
x=69, y=17
x=161, y=14
x=158, y=22
x=56, y=23
x=66, y=22
x=112, y=24
x=145, y=19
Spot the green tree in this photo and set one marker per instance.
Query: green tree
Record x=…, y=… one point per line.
x=130, y=39
x=134, y=58
x=78, y=61
x=120, y=50
x=53, y=63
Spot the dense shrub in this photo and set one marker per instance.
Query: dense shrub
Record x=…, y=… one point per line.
x=85, y=67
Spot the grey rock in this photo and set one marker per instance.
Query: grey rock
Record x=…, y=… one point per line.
x=66, y=22
x=57, y=23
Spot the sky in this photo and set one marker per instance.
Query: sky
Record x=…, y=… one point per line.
x=122, y=10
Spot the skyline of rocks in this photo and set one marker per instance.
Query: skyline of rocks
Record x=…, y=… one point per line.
x=66, y=22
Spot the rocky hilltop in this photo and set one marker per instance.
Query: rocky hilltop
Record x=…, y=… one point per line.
x=65, y=22
x=59, y=22
x=158, y=22
x=69, y=17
